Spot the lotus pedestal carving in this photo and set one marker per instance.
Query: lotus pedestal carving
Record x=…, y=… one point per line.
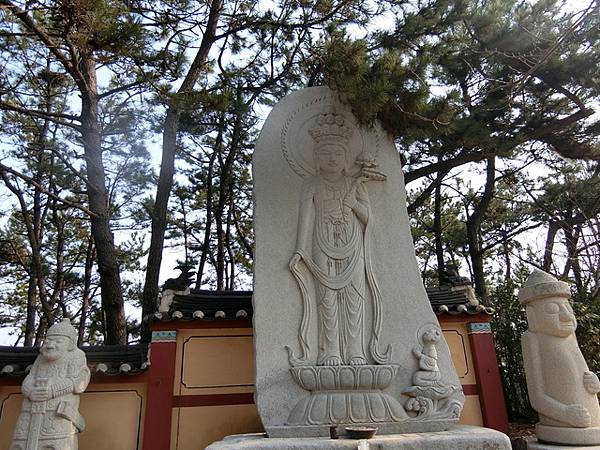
x=346, y=395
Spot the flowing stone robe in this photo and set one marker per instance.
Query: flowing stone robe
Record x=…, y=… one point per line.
x=335, y=235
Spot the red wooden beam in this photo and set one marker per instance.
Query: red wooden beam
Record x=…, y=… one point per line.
x=202, y=324
x=491, y=396
x=161, y=376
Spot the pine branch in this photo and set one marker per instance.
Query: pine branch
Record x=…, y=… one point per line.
x=5, y=169
x=55, y=117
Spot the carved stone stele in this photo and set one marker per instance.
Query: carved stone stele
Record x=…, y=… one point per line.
x=50, y=418
x=561, y=387
x=339, y=305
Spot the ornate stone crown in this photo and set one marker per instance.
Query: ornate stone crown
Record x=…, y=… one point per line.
x=63, y=328
x=330, y=128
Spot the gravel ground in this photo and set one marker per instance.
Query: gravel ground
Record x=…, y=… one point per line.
x=518, y=434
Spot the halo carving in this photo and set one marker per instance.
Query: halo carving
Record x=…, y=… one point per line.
x=297, y=144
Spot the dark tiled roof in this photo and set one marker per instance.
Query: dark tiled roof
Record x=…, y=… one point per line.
x=448, y=300
x=212, y=305
x=106, y=359
x=440, y=296
x=201, y=304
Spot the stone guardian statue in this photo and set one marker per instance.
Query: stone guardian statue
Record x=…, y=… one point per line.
x=50, y=418
x=561, y=387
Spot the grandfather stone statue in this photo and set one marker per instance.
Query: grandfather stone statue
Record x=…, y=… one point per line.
x=339, y=305
x=50, y=418
x=561, y=387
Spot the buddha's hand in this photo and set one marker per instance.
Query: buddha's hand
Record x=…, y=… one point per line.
x=350, y=199
x=294, y=261
x=578, y=416
x=591, y=382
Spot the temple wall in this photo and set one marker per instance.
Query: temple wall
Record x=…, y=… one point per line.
x=214, y=386
x=199, y=388
x=458, y=340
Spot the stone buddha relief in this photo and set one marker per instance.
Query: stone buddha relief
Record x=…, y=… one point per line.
x=332, y=265
x=341, y=318
x=333, y=244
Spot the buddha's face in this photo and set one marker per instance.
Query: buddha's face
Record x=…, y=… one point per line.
x=55, y=347
x=330, y=158
x=554, y=317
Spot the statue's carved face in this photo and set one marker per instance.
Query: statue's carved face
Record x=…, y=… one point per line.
x=330, y=158
x=432, y=336
x=55, y=347
x=555, y=317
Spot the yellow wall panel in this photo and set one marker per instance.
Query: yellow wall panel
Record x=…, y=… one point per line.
x=458, y=340
x=10, y=407
x=217, y=361
x=183, y=336
x=113, y=417
x=471, y=413
x=200, y=426
x=113, y=420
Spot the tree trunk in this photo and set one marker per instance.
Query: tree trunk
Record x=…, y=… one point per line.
x=230, y=253
x=87, y=283
x=33, y=235
x=553, y=228
x=159, y=212
x=571, y=241
x=476, y=260
x=225, y=188
x=437, y=232
x=31, y=301
x=209, y=208
x=185, y=229
x=508, y=268
x=108, y=267
x=473, y=229
x=40, y=332
x=59, y=281
x=167, y=169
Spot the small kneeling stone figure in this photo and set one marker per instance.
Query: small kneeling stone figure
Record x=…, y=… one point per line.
x=561, y=387
x=429, y=373
x=50, y=418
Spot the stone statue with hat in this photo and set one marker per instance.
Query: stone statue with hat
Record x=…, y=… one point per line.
x=561, y=387
x=50, y=416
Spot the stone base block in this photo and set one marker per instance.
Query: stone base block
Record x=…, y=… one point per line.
x=458, y=438
x=568, y=436
x=534, y=444
x=409, y=426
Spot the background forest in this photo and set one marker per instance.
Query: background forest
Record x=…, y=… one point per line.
x=127, y=129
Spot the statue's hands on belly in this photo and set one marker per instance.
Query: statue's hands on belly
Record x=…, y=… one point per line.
x=577, y=416
x=591, y=382
x=40, y=394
